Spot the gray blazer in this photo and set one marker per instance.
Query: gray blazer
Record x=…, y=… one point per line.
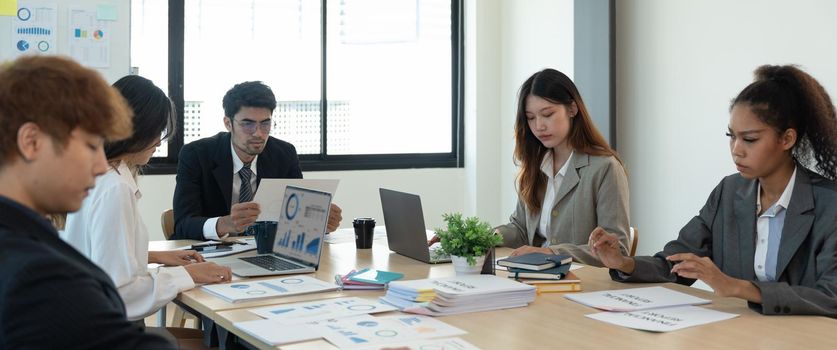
x=594, y=192
x=725, y=231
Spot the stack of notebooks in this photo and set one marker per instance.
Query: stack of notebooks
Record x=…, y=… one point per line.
x=549, y=273
x=366, y=279
x=456, y=295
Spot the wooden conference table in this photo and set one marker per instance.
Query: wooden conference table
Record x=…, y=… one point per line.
x=550, y=321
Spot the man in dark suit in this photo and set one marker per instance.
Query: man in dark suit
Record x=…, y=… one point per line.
x=217, y=176
x=55, y=117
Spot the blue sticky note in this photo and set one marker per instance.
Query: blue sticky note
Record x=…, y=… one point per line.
x=106, y=12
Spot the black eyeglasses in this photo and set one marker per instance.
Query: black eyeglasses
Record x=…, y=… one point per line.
x=249, y=126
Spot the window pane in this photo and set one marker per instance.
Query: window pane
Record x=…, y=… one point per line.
x=276, y=41
x=389, y=76
x=150, y=46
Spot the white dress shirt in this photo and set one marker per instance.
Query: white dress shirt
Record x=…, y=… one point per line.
x=553, y=184
x=109, y=231
x=769, y=226
x=209, y=225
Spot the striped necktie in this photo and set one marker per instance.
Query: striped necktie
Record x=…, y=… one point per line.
x=246, y=193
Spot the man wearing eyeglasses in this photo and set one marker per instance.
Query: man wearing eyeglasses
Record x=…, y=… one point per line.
x=217, y=176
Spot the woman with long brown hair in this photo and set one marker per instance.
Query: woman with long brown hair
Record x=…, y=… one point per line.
x=570, y=180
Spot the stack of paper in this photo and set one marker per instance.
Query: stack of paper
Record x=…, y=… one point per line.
x=366, y=279
x=655, y=309
x=247, y=291
x=460, y=294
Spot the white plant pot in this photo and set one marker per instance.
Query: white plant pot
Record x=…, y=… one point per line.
x=460, y=265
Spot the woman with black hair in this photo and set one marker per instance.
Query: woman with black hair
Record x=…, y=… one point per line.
x=108, y=229
x=767, y=234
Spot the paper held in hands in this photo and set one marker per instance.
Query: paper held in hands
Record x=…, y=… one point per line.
x=635, y=299
x=271, y=192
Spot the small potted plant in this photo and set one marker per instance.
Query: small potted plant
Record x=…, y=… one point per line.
x=467, y=241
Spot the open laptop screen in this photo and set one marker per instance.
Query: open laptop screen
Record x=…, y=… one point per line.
x=301, y=228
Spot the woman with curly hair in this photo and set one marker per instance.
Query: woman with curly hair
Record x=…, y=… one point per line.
x=767, y=234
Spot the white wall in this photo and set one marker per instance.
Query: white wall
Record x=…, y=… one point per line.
x=535, y=34
x=679, y=63
x=506, y=41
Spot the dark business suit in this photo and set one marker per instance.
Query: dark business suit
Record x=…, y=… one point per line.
x=725, y=231
x=52, y=297
x=205, y=177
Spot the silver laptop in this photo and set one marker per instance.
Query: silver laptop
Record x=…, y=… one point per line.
x=299, y=237
x=404, y=221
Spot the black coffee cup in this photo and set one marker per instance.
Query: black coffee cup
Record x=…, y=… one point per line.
x=264, y=233
x=364, y=232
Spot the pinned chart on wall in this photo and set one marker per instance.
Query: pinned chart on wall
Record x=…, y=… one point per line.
x=33, y=27
x=89, y=36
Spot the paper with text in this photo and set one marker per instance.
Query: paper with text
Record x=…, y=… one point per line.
x=297, y=313
x=663, y=320
x=635, y=299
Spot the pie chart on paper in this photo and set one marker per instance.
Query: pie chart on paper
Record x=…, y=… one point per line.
x=23, y=45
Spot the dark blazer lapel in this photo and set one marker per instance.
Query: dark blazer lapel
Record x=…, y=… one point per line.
x=745, y=213
x=798, y=220
x=264, y=170
x=223, y=169
x=571, y=178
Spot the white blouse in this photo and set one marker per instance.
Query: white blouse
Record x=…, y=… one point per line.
x=109, y=231
x=553, y=184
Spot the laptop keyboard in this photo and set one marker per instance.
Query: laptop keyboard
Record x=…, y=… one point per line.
x=270, y=262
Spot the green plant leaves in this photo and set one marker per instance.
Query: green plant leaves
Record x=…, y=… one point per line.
x=467, y=237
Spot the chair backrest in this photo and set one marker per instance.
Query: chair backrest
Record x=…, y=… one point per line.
x=167, y=220
x=633, y=236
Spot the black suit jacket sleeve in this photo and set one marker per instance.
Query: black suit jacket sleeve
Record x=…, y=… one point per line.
x=204, y=179
x=52, y=305
x=189, y=213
